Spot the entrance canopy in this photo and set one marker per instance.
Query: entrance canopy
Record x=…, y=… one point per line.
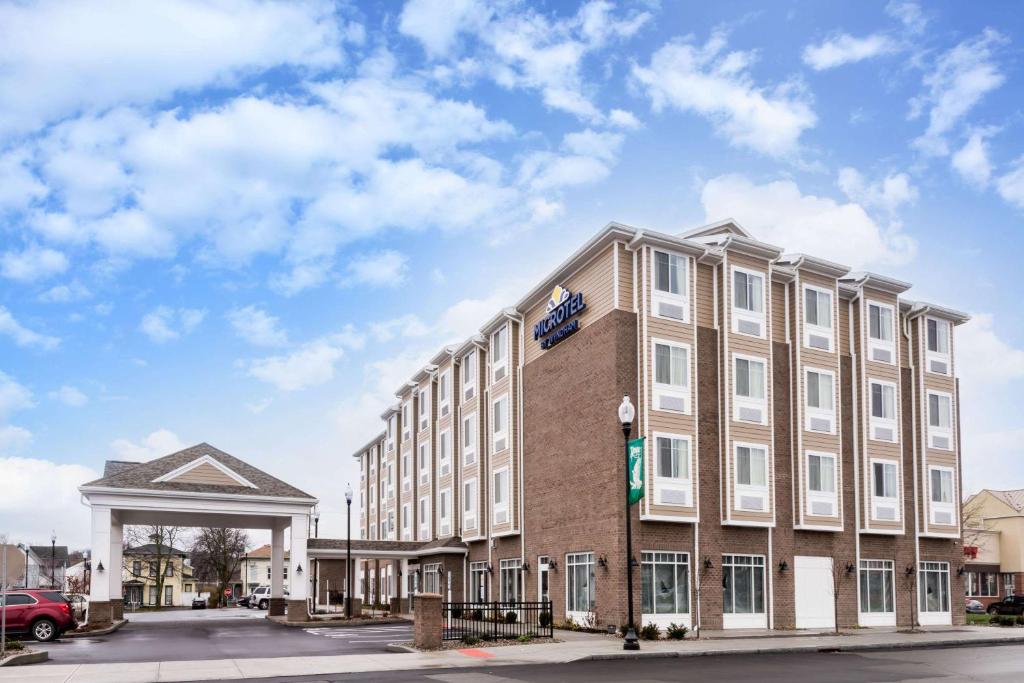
x=200, y=486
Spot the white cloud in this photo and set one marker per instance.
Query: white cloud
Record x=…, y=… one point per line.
x=1011, y=185
x=14, y=439
x=437, y=23
x=309, y=365
x=69, y=395
x=385, y=268
x=959, y=80
x=406, y=326
x=164, y=323
x=258, y=407
x=32, y=264
x=62, y=294
x=716, y=84
x=909, y=14
x=779, y=213
x=20, y=188
x=586, y=157
x=971, y=161
x=13, y=396
x=23, y=336
x=889, y=193
x=26, y=482
x=621, y=118
x=257, y=327
x=983, y=359
x=154, y=445
x=843, y=48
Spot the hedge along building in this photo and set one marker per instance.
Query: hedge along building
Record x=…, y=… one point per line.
x=802, y=442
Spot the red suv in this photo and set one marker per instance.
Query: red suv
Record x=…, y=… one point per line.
x=42, y=614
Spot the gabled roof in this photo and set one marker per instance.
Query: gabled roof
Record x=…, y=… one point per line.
x=1014, y=497
x=263, y=553
x=726, y=226
x=60, y=553
x=112, y=467
x=151, y=549
x=875, y=281
x=915, y=308
x=152, y=475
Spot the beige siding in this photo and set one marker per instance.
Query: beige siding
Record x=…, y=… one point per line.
x=205, y=474
x=625, y=275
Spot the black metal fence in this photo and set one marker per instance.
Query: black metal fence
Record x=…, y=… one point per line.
x=496, y=620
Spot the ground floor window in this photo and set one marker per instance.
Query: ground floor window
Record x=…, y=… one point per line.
x=152, y=595
x=478, y=581
x=432, y=578
x=579, y=577
x=934, y=590
x=1008, y=587
x=743, y=584
x=543, y=591
x=877, y=580
x=665, y=583
x=168, y=595
x=982, y=584
x=510, y=572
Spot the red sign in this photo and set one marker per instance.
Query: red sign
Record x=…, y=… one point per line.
x=227, y=592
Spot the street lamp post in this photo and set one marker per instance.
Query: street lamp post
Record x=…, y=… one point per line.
x=348, y=551
x=316, y=561
x=3, y=596
x=626, y=414
x=53, y=559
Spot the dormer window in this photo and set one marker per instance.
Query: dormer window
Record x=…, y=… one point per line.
x=818, y=329
x=748, y=302
x=881, y=343
x=938, y=358
x=671, y=293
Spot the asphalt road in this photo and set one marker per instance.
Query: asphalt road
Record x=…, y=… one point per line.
x=207, y=638
x=998, y=663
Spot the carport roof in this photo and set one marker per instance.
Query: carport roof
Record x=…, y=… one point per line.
x=148, y=475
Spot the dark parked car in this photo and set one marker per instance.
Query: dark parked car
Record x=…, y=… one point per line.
x=42, y=614
x=1011, y=604
x=198, y=602
x=243, y=601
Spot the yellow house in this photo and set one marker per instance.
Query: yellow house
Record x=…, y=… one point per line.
x=142, y=568
x=994, y=544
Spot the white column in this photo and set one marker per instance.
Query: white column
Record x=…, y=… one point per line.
x=298, y=583
x=116, y=552
x=277, y=561
x=99, y=588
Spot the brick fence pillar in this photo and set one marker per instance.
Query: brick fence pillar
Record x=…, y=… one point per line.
x=428, y=622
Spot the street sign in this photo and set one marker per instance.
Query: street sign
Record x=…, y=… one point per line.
x=227, y=592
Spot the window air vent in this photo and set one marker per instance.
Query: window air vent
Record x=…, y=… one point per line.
x=816, y=341
x=749, y=327
x=671, y=403
x=885, y=513
x=944, y=518
x=820, y=424
x=822, y=508
x=444, y=411
x=468, y=393
x=674, y=497
x=750, y=414
x=940, y=442
x=938, y=366
x=501, y=517
x=499, y=445
x=881, y=355
x=752, y=502
x=499, y=374
x=883, y=434
x=670, y=311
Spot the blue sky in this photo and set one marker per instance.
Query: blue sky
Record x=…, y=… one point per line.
x=247, y=222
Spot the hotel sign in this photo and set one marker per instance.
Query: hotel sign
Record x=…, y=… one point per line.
x=561, y=319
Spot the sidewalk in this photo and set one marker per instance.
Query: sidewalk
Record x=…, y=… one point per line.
x=599, y=647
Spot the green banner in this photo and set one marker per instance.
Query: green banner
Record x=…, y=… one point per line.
x=636, y=470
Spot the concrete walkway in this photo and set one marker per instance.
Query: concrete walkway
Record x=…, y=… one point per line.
x=554, y=653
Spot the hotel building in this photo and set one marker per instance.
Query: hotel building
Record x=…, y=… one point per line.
x=801, y=461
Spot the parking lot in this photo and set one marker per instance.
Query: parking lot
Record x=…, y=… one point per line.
x=220, y=634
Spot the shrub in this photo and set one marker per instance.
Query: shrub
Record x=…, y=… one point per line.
x=623, y=628
x=544, y=619
x=510, y=617
x=470, y=640
x=676, y=632
x=478, y=614
x=1020, y=620
x=14, y=645
x=650, y=632
x=486, y=636
x=456, y=613
x=525, y=638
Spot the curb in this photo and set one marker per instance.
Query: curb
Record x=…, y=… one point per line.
x=99, y=632
x=395, y=647
x=337, y=623
x=23, y=658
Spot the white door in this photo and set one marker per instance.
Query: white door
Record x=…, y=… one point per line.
x=815, y=606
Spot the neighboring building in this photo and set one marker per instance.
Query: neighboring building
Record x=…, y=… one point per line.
x=255, y=568
x=50, y=564
x=141, y=567
x=17, y=562
x=994, y=544
x=802, y=431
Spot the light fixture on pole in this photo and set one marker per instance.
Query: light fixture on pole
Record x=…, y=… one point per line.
x=53, y=560
x=626, y=414
x=348, y=550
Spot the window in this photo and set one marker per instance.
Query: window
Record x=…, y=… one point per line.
x=136, y=568
x=934, y=587
x=670, y=275
x=742, y=584
x=424, y=404
x=444, y=392
x=817, y=318
x=469, y=504
x=579, y=583
x=821, y=484
x=664, y=583
x=672, y=482
x=819, y=398
x=444, y=503
x=499, y=353
x=940, y=420
x=543, y=573
x=877, y=585
x=424, y=519
x=671, y=376
x=749, y=402
x=391, y=433
x=391, y=524
x=751, y=477
x=940, y=481
x=406, y=532
x=500, y=495
x=152, y=595
x=883, y=411
x=169, y=569
x=881, y=343
x=168, y=595
x=500, y=423
x=478, y=581
x=748, y=302
x=510, y=572
x=1008, y=587
x=13, y=599
x=424, y=462
x=406, y=471
x=884, y=486
x=469, y=439
x=938, y=357
x=982, y=584
x=445, y=456
x=469, y=373
x=391, y=481
x=432, y=578
x=406, y=422
x=153, y=568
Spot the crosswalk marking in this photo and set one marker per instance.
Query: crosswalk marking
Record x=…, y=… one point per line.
x=363, y=634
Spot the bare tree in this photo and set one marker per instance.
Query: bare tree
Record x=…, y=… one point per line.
x=972, y=522
x=217, y=554
x=159, y=542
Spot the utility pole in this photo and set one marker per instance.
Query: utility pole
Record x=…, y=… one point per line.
x=3, y=596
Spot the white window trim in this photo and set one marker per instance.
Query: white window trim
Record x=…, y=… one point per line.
x=469, y=374
x=445, y=403
x=873, y=343
x=406, y=471
x=673, y=390
x=809, y=329
x=947, y=357
x=391, y=433
x=675, y=484
x=500, y=363
x=663, y=620
x=751, y=489
x=406, y=422
x=469, y=505
x=391, y=481
x=876, y=501
x=423, y=458
x=444, y=456
x=444, y=512
x=732, y=620
x=424, y=530
x=682, y=299
x=892, y=423
x=742, y=313
x=934, y=506
x=940, y=431
x=820, y=413
x=503, y=434
x=423, y=419
x=503, y=507
x=879, y=618
x=745, y=402
x=406, y=527
x=579, y=616
x=822, y=496
x=469, y=449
